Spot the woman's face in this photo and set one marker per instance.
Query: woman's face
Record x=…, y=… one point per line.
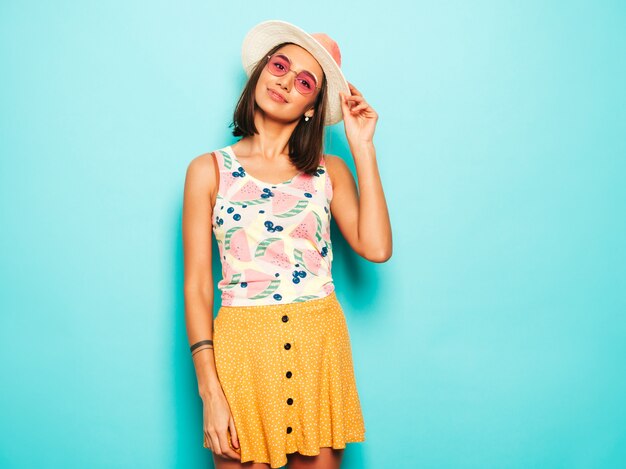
x=296, y=103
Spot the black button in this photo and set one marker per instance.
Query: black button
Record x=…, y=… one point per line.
x=285, y=318
x=290, y=401
x=289, y=429
x=287, y=346
x=289, y=374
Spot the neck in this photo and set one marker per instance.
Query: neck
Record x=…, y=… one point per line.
x=272, y=141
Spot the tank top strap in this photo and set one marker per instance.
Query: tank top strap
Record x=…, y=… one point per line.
x=224, y=160
x=226, y=166
x=322, y=171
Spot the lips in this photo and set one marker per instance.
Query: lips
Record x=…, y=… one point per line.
x=276, y=95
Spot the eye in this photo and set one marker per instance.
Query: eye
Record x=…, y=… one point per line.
x=281, y=61
x=306, y=83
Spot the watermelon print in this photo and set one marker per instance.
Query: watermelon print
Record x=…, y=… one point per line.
x=273, y=239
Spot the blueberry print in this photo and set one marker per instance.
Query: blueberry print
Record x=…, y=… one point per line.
x=281, y=250
x=297, y=274
x=267, y=193
x=239, y=174
x=279, y=257
x=271, y=228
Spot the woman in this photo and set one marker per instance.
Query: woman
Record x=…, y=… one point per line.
x=275, y=368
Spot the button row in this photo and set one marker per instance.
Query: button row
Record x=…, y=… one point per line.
x=289, y=374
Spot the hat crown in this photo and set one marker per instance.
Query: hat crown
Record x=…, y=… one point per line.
x=330, y=45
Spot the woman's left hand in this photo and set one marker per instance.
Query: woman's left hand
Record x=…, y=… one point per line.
x=358, y=116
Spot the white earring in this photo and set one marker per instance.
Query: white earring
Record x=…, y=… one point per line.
x=306, y=118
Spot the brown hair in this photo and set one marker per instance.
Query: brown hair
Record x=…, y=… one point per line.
x=307, y=140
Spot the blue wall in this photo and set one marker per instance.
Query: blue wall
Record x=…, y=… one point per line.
x=495, y=336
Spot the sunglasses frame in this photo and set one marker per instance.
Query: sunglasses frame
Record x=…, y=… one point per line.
x=267, y=65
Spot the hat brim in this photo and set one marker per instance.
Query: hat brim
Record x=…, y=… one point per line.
x=262, y=37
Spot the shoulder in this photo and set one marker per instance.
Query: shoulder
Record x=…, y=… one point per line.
x=202, y=163
x=337, y=168
x=201, y=169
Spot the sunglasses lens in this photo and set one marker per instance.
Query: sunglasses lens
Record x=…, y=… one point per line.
x=278, y=65
x=305, y=83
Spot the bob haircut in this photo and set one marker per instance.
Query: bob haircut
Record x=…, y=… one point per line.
x=307, y=140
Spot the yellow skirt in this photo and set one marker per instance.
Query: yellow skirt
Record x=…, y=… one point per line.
x=288, y=376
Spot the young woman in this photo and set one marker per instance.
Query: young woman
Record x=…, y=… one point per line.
x=274, y=369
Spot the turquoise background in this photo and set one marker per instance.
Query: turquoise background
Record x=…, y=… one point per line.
x=495, y=337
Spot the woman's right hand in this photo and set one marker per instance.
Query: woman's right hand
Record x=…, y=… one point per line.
x=219, y=426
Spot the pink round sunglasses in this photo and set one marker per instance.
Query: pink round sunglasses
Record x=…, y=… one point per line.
x=305, y=81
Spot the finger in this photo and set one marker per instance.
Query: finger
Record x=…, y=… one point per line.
x=353, y=100
x=233, y=433
x=358, y=107
x=354, y=90
x=214, y=443
x=344, y=102
x=355, y=97
x=360, y=103
x=226, y=449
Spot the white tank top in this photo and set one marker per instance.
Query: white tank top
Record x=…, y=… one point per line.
x=274, y=239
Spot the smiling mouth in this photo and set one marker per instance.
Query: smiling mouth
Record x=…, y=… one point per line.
x=276, y=96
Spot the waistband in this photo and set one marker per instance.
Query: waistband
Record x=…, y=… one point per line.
x=309, y=305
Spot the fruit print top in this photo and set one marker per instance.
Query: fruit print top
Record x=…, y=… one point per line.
x=274, y=239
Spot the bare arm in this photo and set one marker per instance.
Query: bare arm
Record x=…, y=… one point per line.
x=200, y=189
x=361, y=215
x=201, y=185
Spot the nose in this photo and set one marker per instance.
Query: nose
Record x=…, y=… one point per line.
x=287, y=81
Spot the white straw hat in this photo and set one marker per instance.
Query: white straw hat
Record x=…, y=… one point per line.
x=262, y=37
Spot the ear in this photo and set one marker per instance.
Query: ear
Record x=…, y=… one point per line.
x=310, y=111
